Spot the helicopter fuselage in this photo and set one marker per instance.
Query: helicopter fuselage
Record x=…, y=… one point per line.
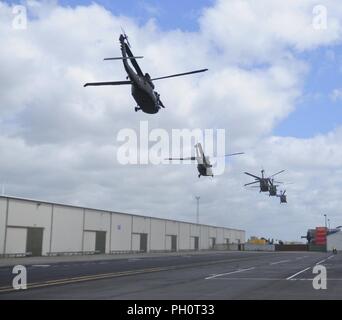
x=264, y=186
x=283, y=199
x=142, y=88
x=144, y=95
x=203, y=170
x=273, y=190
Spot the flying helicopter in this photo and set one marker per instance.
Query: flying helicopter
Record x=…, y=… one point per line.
x=282, y=196
x=142, y=87
x=273, y=187
x=204, y=166
x=266, y=184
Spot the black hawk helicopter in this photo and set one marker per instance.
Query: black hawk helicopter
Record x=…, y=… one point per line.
x=143, y=92
x=282, y=196
x=273, y=187
x=266, y=184
x=203, y=163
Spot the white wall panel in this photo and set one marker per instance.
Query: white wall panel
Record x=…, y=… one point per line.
x=135, y=242
x=168, y=241
x=141, y=224
x=334, y=241
x=212, y=232
x=89, y=240
x=220, y=237
x=3, y=206
x=157, y=234
x=204, y=242
x=121, y=232
x=192, y=243
x=31, y=214
x=195, y=230
x=172, y=227
x=184, y=236
x=228, y=235
x=242, y=236
x=16, y=240
x=67, y=233
x=98, y=221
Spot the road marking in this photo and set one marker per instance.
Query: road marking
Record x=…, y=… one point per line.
x=321, y=261
x=84, y=278
x=296, y=274
x=273, y=279
x=118, y=274
x=324, y=260
x=40, y=265
x=282, y=261
x=224, y=274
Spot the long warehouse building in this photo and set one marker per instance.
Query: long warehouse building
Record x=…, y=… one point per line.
x=32, y=227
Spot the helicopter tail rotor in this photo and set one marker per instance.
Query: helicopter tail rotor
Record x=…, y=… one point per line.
x=125, y=36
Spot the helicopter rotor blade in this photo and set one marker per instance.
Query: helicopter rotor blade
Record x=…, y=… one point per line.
x=110, y=83
x=125, y=35
x=123, y=58
x=276, y=173
x=233, y=154
x=189, y=158
x=180, y=74
x=252, y=175
x=228, y=155
x=248, y=184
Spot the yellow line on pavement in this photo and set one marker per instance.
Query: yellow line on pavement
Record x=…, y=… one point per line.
x=112, y=275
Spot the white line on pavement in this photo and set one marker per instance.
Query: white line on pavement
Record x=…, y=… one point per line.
x=40, y=265
x=272, y=279
x=224, y=274
x=324, y=259
x=282, y=261
x=296, y=274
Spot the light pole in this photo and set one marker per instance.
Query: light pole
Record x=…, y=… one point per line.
x=197, y=212
x=329, y=224
x=325, y=218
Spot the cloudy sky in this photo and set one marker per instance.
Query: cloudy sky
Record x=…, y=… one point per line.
x=274, y=84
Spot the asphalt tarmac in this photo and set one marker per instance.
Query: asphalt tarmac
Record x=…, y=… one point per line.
x=208, y=275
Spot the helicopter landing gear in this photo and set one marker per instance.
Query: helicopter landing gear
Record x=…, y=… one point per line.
x=161, y=105
x=137, y=109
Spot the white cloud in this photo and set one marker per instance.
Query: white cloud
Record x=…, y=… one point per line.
x=58, y=138
x=262, y=31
